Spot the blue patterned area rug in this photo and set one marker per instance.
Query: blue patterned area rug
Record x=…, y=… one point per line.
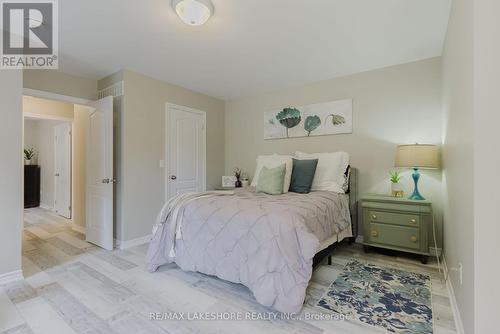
x=395, y=300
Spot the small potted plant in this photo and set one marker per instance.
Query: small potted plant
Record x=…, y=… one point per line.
x=237, y=174
x=29, y=154
x=396, y=186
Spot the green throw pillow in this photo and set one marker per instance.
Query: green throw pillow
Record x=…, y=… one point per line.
x=271, y=180
x=303, y=175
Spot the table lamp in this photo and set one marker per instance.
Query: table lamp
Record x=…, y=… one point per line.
x=417, y=156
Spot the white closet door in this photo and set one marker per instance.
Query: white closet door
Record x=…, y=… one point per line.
x=185, y=150
x=62, y=153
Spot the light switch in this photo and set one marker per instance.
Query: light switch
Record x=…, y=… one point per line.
x=162, y=163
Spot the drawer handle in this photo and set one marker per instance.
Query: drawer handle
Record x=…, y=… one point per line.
x=374, y=217
x=374, y=234
x=413, y=221
x=413, y=238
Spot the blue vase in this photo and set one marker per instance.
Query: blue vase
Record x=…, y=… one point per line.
x=416, y=194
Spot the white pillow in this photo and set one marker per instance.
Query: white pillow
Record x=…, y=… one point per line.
x=272, y=161
x=330, y=170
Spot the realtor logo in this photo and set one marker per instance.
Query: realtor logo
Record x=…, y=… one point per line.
x=29, y=34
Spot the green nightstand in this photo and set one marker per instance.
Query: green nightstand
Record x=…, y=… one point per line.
x=397, y=223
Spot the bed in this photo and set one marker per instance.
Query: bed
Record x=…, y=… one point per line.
x=267, y=243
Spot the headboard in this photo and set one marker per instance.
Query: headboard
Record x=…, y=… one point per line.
x=353, y=200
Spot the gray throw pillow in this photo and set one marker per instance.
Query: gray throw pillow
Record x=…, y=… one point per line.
x=303, y=175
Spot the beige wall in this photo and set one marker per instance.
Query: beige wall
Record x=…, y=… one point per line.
x=471, y=75
x=458, y=136
x=11, y=178
x=395, y=105
x=30, y=135
x=33, y=106
x=60, y=83
x=486, y=159
x=140, y=145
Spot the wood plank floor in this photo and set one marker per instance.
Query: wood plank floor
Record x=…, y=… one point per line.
x=71, y=286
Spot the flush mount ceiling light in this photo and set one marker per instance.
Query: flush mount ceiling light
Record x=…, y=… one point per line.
x=193, y=12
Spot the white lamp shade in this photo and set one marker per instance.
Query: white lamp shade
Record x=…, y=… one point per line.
x=417, y=156
x=193, y=12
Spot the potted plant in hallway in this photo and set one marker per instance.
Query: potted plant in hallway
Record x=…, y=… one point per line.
x=396, y=186
x=29, y=154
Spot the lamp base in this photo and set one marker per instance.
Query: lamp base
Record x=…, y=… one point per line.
x=417, y=197
x=416, y=194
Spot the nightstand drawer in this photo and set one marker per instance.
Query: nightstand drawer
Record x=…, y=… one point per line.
x=399, y=236
x=394, y=218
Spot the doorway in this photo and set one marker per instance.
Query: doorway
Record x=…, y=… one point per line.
x=79, y=178
x=48, y=161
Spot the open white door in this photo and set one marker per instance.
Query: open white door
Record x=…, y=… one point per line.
x=100, y=181
x=186, y=150
x=62, y=154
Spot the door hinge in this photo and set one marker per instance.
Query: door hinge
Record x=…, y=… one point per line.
x=69, y=208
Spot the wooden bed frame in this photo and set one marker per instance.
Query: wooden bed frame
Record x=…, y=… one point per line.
x=353, y=207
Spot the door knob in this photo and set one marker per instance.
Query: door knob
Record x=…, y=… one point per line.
x=105, y=180
x=173, y=177
x=114, y=180
x=56, y=174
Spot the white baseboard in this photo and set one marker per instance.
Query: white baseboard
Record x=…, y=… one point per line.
x=11, y=277
x=78, y=228
x=124, y=244
x=459, y=326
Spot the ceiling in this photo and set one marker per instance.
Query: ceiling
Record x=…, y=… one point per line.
x=249, y=46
